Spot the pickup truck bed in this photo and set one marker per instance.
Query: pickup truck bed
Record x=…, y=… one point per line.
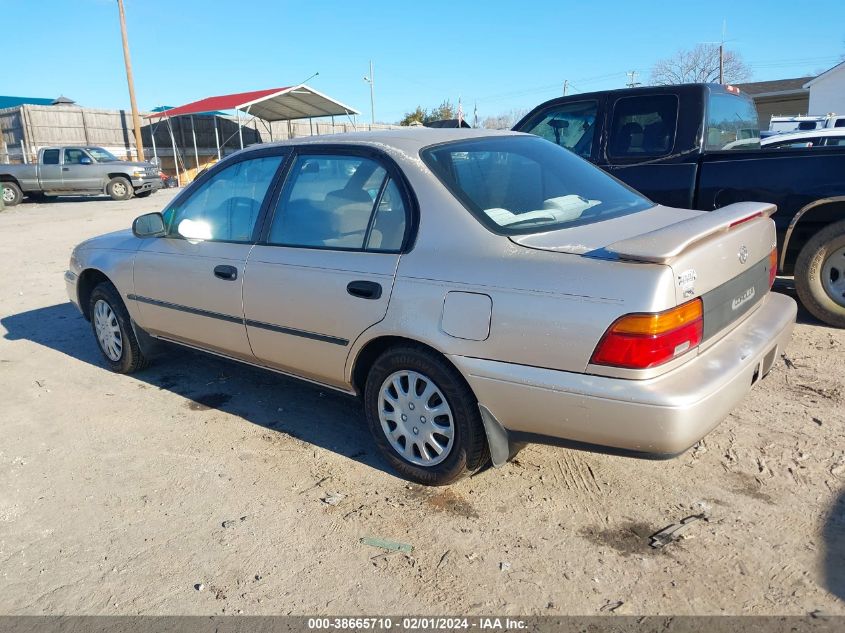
x=697, y=146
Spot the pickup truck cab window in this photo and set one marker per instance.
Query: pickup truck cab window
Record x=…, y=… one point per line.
x=226, y=206
x=328, y=202
x=571, y=125
x=74, y=156
x=643, y=126
x=51, y=157
x=731, y=123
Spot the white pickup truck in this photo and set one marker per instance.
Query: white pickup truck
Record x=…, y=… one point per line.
x=78, y=171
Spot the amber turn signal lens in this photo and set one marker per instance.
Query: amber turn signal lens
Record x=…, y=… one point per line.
x=659, y=322
x=773, y=266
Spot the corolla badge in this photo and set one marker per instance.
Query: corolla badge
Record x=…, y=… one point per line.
x=743, y=254
x=742, y=299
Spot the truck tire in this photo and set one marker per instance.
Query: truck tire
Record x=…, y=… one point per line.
x=119, y=188
x=12, y=194
x=820, y=275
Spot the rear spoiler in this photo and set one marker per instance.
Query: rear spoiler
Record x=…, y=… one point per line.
x=661, y=245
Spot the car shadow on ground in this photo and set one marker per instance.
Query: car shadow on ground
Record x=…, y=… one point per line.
x=316, y=415
x=833, y=534
x=786, y=286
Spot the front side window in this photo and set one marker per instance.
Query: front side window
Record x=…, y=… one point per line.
x=225, y=207
x=571, y=125
x=74, y=156
x=329, y=200
x=731, y=123
x=51, y=157
x=521, y=184
x=643, y=126
x=101, y=155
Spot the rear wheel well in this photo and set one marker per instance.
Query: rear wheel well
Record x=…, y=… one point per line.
x=375, y=348
x=88, y=280
x=813, y=221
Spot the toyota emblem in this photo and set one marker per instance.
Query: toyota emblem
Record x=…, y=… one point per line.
x=743, y=254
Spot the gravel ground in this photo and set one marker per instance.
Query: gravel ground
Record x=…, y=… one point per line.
x=198, y=486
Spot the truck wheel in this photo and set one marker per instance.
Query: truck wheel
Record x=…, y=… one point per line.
x=12, y=194
x=820, y=275
x=423, y=417
x=113, y=330
x=119, y=188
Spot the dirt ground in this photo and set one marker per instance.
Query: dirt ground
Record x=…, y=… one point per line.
x=197, y=486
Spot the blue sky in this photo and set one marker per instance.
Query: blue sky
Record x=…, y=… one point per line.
x=501, y=55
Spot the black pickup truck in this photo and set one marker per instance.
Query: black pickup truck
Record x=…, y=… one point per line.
x=698, y=146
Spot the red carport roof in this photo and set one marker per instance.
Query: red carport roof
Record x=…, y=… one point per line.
x=272, y=104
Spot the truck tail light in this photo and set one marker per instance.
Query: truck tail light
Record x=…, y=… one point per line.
x=643, y=340
x=773, y=266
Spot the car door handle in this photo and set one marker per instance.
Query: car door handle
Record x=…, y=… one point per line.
x=364, y=289
x=65, y=168
x=229, y=273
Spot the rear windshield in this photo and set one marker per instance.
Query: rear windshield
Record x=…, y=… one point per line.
x=731, y=123
x=524, y=184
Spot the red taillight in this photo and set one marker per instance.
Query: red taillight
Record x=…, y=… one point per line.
x=773, y=266
x=640, y=341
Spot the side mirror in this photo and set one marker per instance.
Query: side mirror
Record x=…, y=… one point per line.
x=149, y=225
x=85, y=160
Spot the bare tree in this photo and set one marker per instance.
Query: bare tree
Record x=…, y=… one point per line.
x=699, y=65
x=504, y=121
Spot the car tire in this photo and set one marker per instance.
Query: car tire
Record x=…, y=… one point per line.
x=119, y=188
x=12, y=194
x=144, y=194
x=820, y=275
x=456, y=428
x=113, y=331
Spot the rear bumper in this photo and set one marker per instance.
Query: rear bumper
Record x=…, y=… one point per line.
x=662, y=415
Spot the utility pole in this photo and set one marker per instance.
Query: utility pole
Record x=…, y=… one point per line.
x=136, y=119
x=371, y=80
x=722, y=62
x=565, y=86
x=633, y=83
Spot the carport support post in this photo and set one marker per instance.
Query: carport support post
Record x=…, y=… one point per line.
x=175, y=155
x=196, y=152
x=240, y=130
x=216, y=137
x=153, y=137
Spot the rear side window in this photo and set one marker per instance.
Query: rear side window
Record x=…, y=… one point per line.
x=731, y=123
x=523, y=184
x=339, y=202
x=571, y=125
x=51, y=157
x=643, y=126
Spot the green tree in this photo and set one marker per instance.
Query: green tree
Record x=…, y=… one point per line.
x=417, y=116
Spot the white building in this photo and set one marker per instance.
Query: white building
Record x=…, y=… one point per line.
x=827, y=91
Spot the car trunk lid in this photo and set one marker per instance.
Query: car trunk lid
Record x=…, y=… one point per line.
x=722, y=256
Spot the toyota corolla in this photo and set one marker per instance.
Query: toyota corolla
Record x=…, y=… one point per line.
x=478, y=290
